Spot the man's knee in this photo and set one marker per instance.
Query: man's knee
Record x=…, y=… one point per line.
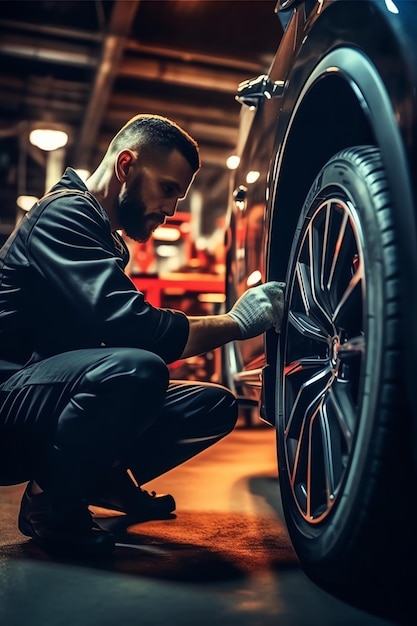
x=211, y=405
x=117, y=397
x=225, y=404
x=124, y=389
x=127, y=368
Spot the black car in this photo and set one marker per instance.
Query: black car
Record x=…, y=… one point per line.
x=324, y=198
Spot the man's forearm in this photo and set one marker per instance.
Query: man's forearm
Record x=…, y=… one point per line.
x=257, y=310
x=209, y=332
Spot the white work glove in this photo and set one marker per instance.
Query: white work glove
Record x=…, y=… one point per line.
x=259, y=309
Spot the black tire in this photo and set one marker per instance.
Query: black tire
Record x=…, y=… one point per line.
x=344, y=454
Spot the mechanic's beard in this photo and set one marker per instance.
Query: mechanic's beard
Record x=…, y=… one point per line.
x=132, y=216
x=132, y=219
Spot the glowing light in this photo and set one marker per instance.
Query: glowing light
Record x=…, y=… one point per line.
x=211, y=297
x=252, y=176
x=164, y=233
x=48, y=139
x=166, y=251
x=254, y=279
x=232, y=162
x=26, y=202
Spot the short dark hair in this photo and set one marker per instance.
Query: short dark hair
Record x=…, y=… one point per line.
x=155, y=131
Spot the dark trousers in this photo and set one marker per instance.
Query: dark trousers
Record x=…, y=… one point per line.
x=66, y=421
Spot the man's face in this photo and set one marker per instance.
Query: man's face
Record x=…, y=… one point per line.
x=155, y=184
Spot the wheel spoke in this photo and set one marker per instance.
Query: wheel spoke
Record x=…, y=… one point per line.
x=336, y=424
x=320, y=440
x=314, y=252
x=342, y=406
x=337, y=252
x=308, y=392
x=306, y=314
x=325, y=246
x=321, y=479
x=304, y=286
x=306, y=326
x=353, y=292
x=304, y=406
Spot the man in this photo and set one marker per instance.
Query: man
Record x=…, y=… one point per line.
x=87, y=413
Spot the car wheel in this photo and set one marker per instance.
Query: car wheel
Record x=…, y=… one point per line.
x=342, y=423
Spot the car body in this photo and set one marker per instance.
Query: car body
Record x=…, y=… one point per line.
x=330, y=131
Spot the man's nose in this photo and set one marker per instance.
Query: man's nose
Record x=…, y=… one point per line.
x=170, y=207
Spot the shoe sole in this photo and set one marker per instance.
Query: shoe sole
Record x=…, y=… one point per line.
x=138, y=513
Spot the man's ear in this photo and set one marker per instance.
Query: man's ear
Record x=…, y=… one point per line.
x=123, y=162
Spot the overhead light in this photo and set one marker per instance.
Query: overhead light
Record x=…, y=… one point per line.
x=48, y=139
x=232, y=162
x=26, y=202
x=252, y=176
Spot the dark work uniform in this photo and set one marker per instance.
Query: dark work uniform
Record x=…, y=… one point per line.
x=84, y=380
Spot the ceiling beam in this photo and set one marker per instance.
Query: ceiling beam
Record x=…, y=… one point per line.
x=114, y=44
x=201, y=58
x=192, y=70
x=124, y=106
x=61, y=32
x=37, y=49
x=25, y=46
x=178, y=73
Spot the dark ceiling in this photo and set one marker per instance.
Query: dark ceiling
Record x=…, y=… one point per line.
x=90, y=65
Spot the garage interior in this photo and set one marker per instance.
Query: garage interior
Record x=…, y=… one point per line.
x=86, y=67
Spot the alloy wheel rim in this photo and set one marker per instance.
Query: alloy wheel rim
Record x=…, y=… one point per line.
x=323, y=357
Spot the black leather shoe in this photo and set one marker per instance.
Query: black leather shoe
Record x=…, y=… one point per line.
x=118, y=492
x=72, y=531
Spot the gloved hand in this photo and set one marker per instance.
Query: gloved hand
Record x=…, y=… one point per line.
x=259, y=309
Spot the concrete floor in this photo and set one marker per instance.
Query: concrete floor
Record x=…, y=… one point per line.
x=236, y=477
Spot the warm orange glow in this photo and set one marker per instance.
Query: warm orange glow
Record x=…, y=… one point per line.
x=211, y=297
x=166, y=233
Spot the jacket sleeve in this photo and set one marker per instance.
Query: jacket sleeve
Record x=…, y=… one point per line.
x=71, y=245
